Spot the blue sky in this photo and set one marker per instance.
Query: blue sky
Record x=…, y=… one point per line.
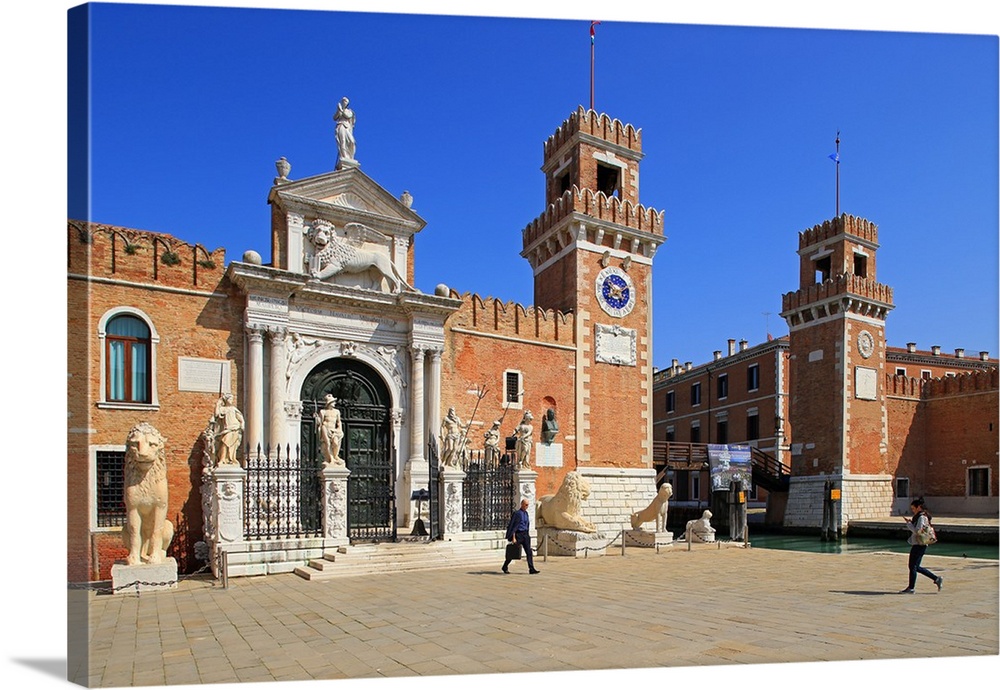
x=192, y=105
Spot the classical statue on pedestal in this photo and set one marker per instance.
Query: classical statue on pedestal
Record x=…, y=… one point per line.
x=701, y=529
x=524, y=433
x=345, y=118
x=147, y=531
x=562, y=509
x=656, y=511
x=330, y=430
x=452, y=447
x=226, y=430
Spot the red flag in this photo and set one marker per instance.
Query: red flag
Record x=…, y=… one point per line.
x=592, y=25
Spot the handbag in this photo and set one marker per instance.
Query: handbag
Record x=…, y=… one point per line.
x=513, y=552
x=926, y=535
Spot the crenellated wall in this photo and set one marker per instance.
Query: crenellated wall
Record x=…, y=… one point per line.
x=843, y=224
x=846, y=284
x=598, y=206
x=493, y=316
x=595, y=124
x=108, y=251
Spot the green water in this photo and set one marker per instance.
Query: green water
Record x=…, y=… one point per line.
x=814, y=545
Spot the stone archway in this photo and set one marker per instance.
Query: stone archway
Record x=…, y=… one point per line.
x=364, y=403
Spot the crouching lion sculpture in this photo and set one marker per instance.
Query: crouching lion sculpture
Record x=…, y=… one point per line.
x=147, y=531
x=701, y=529
x=562, y=509
x=656, y=510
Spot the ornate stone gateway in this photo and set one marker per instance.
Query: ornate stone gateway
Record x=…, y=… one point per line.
x=363, y=401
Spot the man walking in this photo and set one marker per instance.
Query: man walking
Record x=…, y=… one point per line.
x=517, y=533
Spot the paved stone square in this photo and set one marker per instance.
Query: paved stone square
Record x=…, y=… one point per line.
x=678, y=608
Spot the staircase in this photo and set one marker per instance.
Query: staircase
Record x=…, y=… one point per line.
x=478, y=549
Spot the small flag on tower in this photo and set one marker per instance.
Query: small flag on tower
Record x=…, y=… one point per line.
x=592, y=34
x=834, y=157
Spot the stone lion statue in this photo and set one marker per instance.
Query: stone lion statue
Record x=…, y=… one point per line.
x=562, y=509
x=656, y=510
x=147, y=531
x=701, y=529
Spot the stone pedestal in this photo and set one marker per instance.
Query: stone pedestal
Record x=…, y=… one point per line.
x=648, y=540
x=334, y=479
x=564, y=542
x=524, y=480
x=228, y=516
x=144, y=578
x=450, y=505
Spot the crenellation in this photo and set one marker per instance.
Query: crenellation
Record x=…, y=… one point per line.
x=495, y=316
x=594, y=124
x=596, y=205
x=109, y=251
x=843, y=224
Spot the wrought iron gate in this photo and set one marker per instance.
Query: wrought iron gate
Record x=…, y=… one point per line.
x=362, y=399
x=282, y=495
x=488, y=493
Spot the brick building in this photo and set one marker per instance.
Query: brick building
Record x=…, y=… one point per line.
x=159, y=328
x=834, y=403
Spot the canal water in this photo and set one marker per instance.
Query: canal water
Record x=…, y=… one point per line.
x=813, y=544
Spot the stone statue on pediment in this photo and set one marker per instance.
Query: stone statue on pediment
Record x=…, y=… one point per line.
x=345, y=118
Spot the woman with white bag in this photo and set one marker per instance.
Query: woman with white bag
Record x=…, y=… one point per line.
x=921, y=536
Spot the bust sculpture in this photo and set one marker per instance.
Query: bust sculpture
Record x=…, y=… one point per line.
x=549, y=427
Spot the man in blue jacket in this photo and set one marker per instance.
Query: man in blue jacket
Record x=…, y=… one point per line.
x=517, y=533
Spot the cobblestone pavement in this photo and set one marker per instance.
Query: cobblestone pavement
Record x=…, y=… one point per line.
x=676, y=608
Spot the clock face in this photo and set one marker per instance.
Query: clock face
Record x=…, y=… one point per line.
x=615, y=291
x=866, y=344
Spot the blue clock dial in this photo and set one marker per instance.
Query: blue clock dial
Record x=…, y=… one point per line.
x=616, y=291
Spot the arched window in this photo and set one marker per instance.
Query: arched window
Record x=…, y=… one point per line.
x=128, y=358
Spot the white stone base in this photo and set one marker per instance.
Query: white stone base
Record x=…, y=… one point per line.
x=564, y=542
x=647, y=540
x=144, y=578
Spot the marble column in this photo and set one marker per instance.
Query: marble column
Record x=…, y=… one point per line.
x=417, y=406
x=434, y=391
x=278, y=418
x=254, y=412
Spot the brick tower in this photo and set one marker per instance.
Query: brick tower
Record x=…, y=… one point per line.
x=836, y=322
x=591, y=252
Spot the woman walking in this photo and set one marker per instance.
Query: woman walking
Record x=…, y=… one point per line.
x=918, y=526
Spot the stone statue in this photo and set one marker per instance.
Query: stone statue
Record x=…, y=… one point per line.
x=147, y=531
x=491, y=443
x=550, y=427
x=227, y=430
x=656, y=511
x=335, y=255
x=700, y=530
x=561, y=510
x=524, y=433
x=330, y=431
x=345, y=118
x=452, y=446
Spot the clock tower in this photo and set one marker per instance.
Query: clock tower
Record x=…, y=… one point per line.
x=591, y=252
x=836, y=321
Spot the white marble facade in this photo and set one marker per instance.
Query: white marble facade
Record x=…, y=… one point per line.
x=337, y=289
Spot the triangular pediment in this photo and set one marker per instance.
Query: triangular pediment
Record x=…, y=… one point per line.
x=345, y=195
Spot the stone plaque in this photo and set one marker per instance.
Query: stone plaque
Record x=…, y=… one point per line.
x=548, y=455
x=865, y=383
x=203, y=375
x=277, y=305
x=614, y=345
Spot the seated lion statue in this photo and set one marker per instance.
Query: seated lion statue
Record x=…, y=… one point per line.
x=701, y=529
x=562, y=509
x=656, y=510
x=147, y=531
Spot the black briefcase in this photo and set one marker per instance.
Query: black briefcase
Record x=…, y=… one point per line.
x=513, y=552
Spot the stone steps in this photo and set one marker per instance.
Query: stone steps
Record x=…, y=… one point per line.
x=365, y=559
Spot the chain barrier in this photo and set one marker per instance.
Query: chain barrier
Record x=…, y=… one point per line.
x=137, y=584
x=543, y=548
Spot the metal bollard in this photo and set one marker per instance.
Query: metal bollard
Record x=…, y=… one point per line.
x=623, y=541
x=688, y=537
x=224, y=570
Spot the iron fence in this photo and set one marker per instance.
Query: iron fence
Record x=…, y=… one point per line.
x=488, y=492
x=282, y=495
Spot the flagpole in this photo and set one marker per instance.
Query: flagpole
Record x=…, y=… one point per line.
x=838, y=173
x=592, y=34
